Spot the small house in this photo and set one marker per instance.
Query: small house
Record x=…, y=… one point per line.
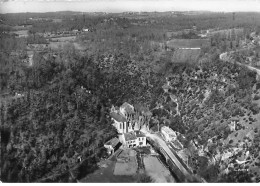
x=232, y=125
x=141, y=139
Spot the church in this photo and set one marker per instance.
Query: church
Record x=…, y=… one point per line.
x=129, y=120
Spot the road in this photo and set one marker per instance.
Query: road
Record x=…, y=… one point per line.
x=163, y=145
x=225, y=57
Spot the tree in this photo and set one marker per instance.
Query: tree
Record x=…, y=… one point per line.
x=143, y=178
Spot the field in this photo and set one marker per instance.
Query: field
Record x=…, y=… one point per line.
x=56, y=45
x=157, y=171
x=64, y=39
x=186, y=55
x=21, y=33
x=105, y=175
x=24, y=27
x=57, y=20
x=187, y=43
x=61, y=44
x=126, y=163
x=227, y=32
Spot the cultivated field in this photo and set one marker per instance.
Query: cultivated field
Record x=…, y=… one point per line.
x=126, y=163
x=64, y=39
x=187, y=43
x=57, y=45
x=158, y=172
x=186, y=55
x=21, y=33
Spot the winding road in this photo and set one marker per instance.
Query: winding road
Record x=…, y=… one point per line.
x=225, y=57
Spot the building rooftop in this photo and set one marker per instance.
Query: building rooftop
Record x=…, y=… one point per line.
x=139, y=134
x=118, y=117
x=113, y=142
x=168, y=131
x=130, y=136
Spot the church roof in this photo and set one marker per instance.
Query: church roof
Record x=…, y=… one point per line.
x=129, y=108
x=118, y=117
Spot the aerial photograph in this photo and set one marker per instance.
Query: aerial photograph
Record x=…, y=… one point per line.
x=130, y=91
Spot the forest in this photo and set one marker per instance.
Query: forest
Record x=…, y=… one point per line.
x=56, y=111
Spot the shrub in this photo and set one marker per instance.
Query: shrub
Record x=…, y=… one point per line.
x=256, y=97
x=143, y=178
x=254, y=108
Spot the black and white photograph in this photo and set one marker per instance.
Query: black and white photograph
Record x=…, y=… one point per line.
x=130, y=91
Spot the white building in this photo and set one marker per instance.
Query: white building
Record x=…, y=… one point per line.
x=120, y=123
x=168, y=134
x=134, y=139
x=128, y=123
x=127, y=111
x=232, y=125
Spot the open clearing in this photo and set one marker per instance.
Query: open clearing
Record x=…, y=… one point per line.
x=63, y=39
x=186, y=55
x=61, y=44
x=21, y=33
x=105, y=175
x=158, y=172
x=126, y=163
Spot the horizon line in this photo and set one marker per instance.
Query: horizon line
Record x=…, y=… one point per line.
x=119, y=12
x=117, y=6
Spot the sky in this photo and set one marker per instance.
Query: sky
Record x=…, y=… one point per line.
x=14, y=6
